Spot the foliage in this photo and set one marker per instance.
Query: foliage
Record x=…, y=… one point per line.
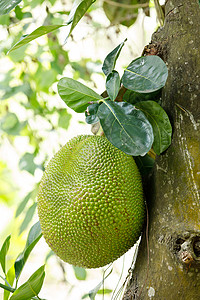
x=132, y=129
x=33, y=285
x=134, y=123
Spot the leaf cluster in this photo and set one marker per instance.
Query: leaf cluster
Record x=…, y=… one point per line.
x=31, y=288
x=133, y=122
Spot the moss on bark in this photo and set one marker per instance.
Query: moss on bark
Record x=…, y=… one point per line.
x=173, y=191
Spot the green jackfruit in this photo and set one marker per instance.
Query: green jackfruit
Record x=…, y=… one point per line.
x=90, y=202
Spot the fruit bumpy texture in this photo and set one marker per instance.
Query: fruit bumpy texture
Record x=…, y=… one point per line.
x=90, y=202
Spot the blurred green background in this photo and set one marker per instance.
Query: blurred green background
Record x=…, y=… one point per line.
x=35, y=123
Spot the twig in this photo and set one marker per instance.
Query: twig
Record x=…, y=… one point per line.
x=160, y=13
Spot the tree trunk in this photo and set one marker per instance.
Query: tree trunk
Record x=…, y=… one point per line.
x=168, y=265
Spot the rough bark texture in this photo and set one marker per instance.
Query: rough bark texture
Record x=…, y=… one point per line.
x=173, y=191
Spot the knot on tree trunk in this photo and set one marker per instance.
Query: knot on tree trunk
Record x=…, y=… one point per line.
x=186, y=248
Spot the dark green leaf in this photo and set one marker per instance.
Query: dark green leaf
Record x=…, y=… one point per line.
x=27, y=163
x=28, y=217
x=76, y=95
x=3, y=253
x=31, y=287
x=34, y=35
x=160, y=122
x=133, y=97
x=34, y=236
x=91, y=113
x=144, y=164
x=111, y=58
x=80, y=273
x=145, y=74
x=7, y=5
x=113, y=85
x=78, y=10
x=126, y=127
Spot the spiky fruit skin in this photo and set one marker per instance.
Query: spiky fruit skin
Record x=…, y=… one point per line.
x=90, y=202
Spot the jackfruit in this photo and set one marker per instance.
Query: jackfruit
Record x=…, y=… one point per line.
x=90, y=202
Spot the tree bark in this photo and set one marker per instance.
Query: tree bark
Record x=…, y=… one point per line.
x=168, y=263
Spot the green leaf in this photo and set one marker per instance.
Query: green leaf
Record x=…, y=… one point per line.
x=111, y=58
x=104, y=291
x=10, y=277
x=31, y=287
x=75, y=94
x=27, y=163
x=28, y=217
x=121, y=15
x=78, y=10
x=23, y=204
x=18, y=13
x=42, y=30
x=145, y=74
x=34, y=236
x=11, y=125
x=80, y=273
x=113, y=85
x=160, y=122
x=64, y=119
x=133, y=97
x=3, y=253
x=144, y=164
x=7, y=5
x=91, y=113
x=126, y=127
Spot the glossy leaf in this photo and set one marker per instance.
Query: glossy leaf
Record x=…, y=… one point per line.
x=75, y=94
x=34, y=236
x=28, y=217
x=133, y=97
x=126, y=127
x=78, y=10
x=7, y=5
x=144, y=164
x=10, y=277
x=3, y=253
x=42, y=30
x=160, y=123
x=113, y=85
x=31, y=287
x=145, y=74
x=111, y=58
x=91, y=113
x=80, y=273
